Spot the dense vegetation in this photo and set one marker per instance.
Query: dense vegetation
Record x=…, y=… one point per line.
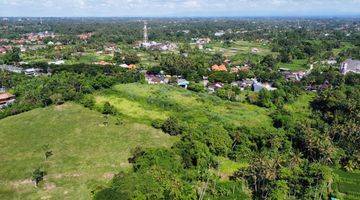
x=300, y=141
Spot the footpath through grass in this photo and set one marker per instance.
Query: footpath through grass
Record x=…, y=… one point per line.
x=86, y=153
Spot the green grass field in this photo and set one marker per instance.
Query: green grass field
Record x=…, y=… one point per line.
x=86, y=152
x=240, y=47
x=295, y=65
x=146, y=103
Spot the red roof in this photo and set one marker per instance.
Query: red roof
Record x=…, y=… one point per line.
x=219, y=68
x=6, y=97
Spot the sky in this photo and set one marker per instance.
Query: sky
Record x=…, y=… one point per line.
x=177, y=8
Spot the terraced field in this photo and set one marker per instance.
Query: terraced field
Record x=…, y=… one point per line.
x=348, y=184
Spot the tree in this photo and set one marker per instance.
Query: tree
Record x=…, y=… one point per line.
x=13, y=56
x=131, y=58
x=264, y=98
x=269, y=61
x=217, y=59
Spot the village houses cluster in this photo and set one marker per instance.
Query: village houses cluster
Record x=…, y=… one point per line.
x=36, y=40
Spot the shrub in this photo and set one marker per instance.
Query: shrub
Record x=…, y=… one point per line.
x=109, y=109
x=157, y=124
x=172, y=126
x=196, y=87
x=38, y=175
x=88, y=101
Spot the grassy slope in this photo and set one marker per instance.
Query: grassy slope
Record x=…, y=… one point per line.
x=86, y=153
x=145, y=103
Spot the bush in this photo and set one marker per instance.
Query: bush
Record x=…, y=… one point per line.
x=109, y=109
x=172, y=126
x=38, y=175
x=196, y=87
x=157, y=124
x=88, y=101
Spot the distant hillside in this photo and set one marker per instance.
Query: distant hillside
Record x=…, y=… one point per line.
x=86, y=153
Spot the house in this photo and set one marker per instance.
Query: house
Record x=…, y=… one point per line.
x=85, y=36
x=257, y=86
x=32, y=72
x=294, y=76
x=201, y=42
x=215, y=86
x=247, y=83
x=6, y=99
x=219, y=33
x=2, y=50
x=182, y=83
x=57, y=62
x=156, y=79
x=23, y=48
x=103, y=63
x=167, y=46
x=131, y=66
x=2, y=89
x=330, y=61
x=11, y=68
x=255, y=50
x=238, y=69
x=350, y=66
x=219, y=68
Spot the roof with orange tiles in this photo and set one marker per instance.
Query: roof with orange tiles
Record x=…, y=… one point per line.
x=219, y=68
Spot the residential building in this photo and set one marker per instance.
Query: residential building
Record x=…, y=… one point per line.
x=257, y=86
x=350, y=66
x=182, y=83
x=11, y=68
x=6, y=99
x=32, y=72
x=219, y=33
x=57, y=62
x=219, y=68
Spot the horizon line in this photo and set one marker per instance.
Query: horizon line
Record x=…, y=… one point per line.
x=189, y=16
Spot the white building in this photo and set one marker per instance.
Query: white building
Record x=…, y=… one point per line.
x=350, y=66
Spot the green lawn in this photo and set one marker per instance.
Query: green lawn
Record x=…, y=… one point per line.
x=86, y=152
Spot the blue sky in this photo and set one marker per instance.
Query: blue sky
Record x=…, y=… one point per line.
x=63, y=8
